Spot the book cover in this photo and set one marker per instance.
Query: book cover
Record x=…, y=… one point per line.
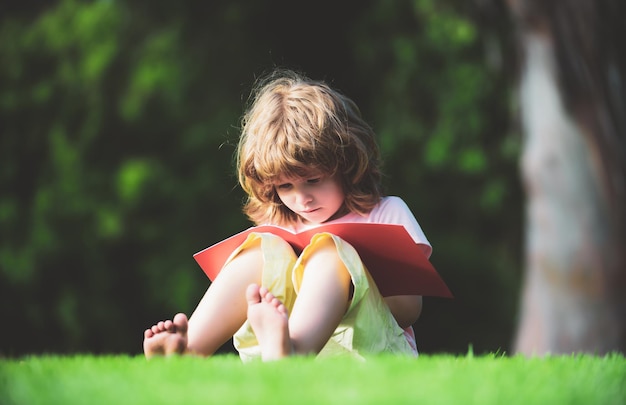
x=395, y=261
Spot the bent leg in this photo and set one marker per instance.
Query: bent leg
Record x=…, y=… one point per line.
x=276, y=277
x=222, y=309
x=326, y=316
x=323, y=298
x=367, y=326
x=268, y=317
x=220, y=312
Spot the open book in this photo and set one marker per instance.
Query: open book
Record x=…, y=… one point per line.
x=397, y=264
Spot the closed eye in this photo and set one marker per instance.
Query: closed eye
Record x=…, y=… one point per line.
x=284, y=186
x=314, y=180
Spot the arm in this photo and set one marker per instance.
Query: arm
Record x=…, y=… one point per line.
x=393, y=210
x=406, y=309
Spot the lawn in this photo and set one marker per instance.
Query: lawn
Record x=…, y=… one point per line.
x=435, y=379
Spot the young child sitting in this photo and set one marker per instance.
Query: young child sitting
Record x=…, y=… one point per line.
x=305, y=158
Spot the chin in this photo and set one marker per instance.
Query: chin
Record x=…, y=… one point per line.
x=316, y=221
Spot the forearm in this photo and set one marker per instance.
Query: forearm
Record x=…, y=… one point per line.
x=406, y=309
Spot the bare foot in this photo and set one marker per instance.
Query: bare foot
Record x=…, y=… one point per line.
x=269, y=319
x=166, y=337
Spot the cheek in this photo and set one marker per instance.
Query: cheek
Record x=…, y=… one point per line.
x=284, y=198
x=338, y=198
x=339, y=194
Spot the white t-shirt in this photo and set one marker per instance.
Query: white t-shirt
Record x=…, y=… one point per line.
x=390, y=210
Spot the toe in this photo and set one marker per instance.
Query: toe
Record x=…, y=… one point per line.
x=282, y=309
x=169, y=326
x=180, y=323
x=253, y=294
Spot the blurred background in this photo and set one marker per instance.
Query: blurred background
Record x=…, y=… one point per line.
x=118, y=123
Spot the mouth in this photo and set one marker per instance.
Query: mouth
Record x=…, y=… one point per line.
x=310, y=211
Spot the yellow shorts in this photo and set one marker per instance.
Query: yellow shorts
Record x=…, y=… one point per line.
x=368, y=327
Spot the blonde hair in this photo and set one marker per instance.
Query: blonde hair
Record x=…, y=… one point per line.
x=294, y=126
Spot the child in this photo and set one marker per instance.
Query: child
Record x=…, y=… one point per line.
x=305, y=158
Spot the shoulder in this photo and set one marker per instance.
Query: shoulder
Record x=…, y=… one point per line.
x=392, y=202
x=393, y=210
x=390, y=205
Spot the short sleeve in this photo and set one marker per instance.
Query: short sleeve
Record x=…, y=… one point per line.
x=393, y=210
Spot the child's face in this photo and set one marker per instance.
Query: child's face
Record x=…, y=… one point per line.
x=316, y=198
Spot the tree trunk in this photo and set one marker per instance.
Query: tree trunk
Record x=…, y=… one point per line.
x=572, y=109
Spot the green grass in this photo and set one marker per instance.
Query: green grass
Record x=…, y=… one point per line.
x=441, y=379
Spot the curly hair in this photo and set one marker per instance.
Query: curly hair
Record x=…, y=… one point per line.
x=295, y=125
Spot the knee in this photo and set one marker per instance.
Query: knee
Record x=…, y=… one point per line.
x=323, y=254
x=325, y=259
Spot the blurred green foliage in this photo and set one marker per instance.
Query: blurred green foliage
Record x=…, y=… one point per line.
x=118, y=125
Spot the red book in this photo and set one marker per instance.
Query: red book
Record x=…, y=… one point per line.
x=395, y=261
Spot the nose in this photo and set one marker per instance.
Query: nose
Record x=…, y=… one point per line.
x=303, y=198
